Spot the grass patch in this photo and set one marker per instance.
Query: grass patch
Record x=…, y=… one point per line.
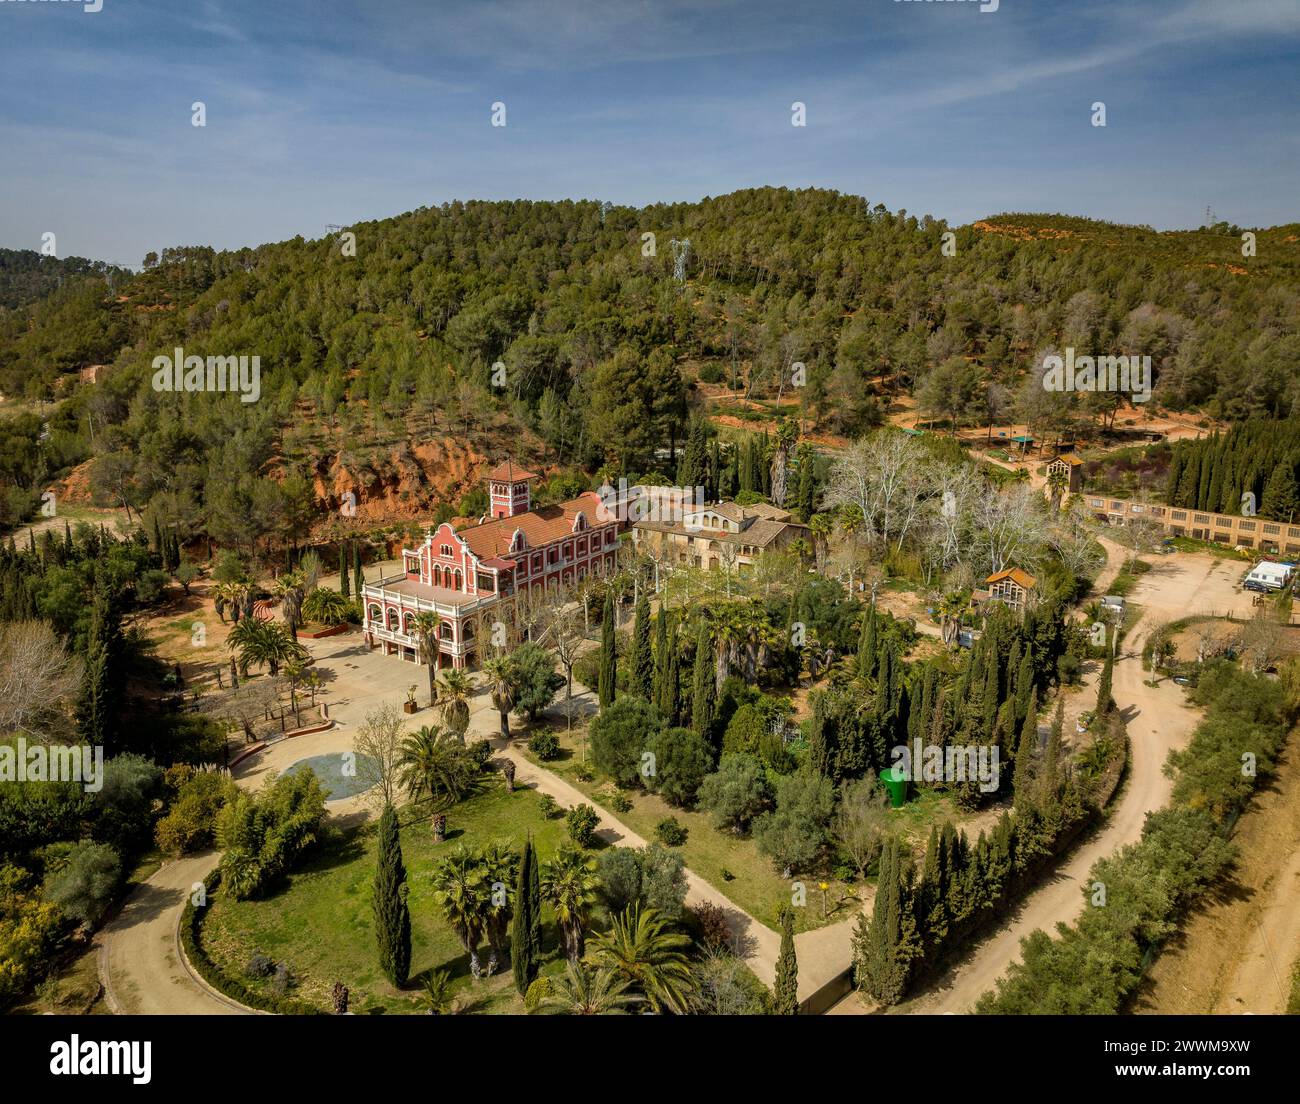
x=320, y=923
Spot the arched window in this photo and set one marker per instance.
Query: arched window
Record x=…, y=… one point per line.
x=376, y=614
x=408, y=623
x=459, y=579
x=391, y=619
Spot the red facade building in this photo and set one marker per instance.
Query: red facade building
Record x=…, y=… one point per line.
x=470, y=578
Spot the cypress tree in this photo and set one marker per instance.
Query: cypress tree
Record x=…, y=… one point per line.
x=1023, y=781
x=525, y=924
x=786, y=992
x=344, y=589
x=882, y=962
x=807, y=486
x=703, y=687
x=669, y=692
x=1104, y=700
x=67, y=537
x=358, y=577
x=157, y=536
x=642, y=657
x=1049, y=776
x=867, y=645
x=606, y=687
x=392, y=915
x=661, y=651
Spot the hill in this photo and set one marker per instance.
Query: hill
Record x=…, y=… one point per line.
x=560, y=329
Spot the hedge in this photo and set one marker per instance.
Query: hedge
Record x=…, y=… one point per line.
x=209, y=971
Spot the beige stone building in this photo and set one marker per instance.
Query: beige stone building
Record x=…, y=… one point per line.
x=1014, y=588
x=1274, y=537
x=722, y=535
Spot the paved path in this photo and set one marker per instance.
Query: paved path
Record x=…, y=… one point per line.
x=139, y=958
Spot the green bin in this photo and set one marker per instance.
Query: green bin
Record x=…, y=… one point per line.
x=895, y=781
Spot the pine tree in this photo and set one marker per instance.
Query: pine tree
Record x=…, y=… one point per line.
x=703, y=687
x=606, y=687
x=642, y=665
x=392, y=914
x=525, y=924
x=786, y=992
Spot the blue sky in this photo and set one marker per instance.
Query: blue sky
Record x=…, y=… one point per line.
x=339, y=110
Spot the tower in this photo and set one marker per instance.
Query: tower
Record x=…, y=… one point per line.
x=508, y=491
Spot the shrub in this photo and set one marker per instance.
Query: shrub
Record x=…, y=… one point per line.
x=538, y=991
x=620, y=802
x=581, y=822
x=711, y=373
x=84, y=888
x=681, y=761
x=652, y=877
x=584, y=773
x=736, y=793
x=670, y=832
x=260, y=966
x=190, y=824
x=536, y=679
x=711, y=923
x=549, y=807
x=480, y=754
x=264, y=834
x=545, y=746
x=619, y=736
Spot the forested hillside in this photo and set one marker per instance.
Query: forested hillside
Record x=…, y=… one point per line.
x=599, y=345
x=26, y=275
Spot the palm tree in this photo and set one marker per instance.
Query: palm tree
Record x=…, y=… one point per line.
x=458, y=887
x=642, y=950
x=587, y=992
x=454, y=689
x=295, y=670
x=289, y=589
x=223, y=595
x=500, y=671
x=437, y=996
x=426, y=626
x=1057, y=482
x=434, y=764
x=569, y=882
x=262, y=643
x=500, y=869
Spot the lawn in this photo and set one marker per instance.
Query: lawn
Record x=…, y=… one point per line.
x=320, y=925
x=731, y=864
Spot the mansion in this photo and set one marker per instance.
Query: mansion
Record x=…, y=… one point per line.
x=722, y=535
x=470, y=578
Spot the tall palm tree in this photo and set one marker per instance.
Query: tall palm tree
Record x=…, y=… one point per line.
x=500, y=671
x=569, y=883
x=642, y=950
x=587, y=992
x=289, y=588
x=500, y=864
x=460, y=890
x=454, y=689
x=1057, y=482
x=426, y=626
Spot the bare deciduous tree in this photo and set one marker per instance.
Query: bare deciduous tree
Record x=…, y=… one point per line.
x=38, y=678
x=378, y=746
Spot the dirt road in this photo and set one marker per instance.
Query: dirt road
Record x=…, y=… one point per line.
x=1158, y=721
x=140, y=961
x=1234, y=954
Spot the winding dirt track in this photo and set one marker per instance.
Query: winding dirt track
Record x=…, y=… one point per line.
x=1158, y=721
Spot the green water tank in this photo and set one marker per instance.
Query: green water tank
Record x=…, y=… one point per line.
x=895, y=781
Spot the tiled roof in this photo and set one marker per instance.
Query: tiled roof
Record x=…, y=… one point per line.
x=1016, y=575
x=507, y=473
x=540, y=526
x=1069, y=458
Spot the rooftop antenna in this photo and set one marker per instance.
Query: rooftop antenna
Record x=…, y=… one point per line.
x=681, y=255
